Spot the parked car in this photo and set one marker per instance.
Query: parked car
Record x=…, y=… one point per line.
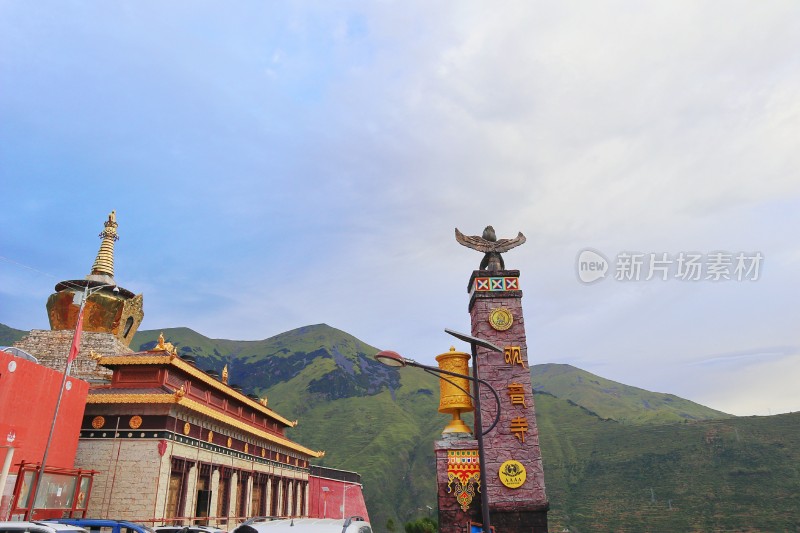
x=98, y=525
x=38, y=527
x=353, y=524
x=188, y=529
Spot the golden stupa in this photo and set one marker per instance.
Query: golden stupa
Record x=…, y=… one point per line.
x=110, y=309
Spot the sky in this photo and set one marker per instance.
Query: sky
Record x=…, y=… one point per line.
x=280, y=164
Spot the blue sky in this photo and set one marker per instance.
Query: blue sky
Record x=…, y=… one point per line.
x=275, y=165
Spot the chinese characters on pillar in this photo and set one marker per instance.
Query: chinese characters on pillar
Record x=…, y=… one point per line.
x=513, y=356
x=516, y=393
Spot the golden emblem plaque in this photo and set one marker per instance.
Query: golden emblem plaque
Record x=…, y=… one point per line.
x=135, y=422
x=230, y=442
x=501, y=319
x=512, y=474
x=186, y=428
x=98, y=422
x=210, y=436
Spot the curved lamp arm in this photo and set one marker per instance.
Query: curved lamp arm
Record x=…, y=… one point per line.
x=396, y=360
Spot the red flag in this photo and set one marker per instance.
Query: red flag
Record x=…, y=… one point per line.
x=76, y=340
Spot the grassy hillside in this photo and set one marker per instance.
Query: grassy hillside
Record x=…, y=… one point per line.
x=738, y=474
x=9, y=336
x=609, y=399
x=616, y=457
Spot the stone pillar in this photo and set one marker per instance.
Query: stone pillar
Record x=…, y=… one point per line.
x=248, y=504
x=214, y=495
x=234, y=488
x=290, y=498
x=457, y=480
x=280, y=498
x=517, y=502
x=191, y=492
x=306, y=507
x=268, y=508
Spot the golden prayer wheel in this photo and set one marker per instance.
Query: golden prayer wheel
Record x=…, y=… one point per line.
x=452, y=399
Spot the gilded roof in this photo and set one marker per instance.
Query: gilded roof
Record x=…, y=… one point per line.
x=162, y=358
x=145, y=396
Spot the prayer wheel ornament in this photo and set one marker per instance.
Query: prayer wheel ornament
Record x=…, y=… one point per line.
x=454, y=395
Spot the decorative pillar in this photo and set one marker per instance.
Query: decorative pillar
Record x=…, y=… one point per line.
x=457, y=482
x=191, y=492
x=513, y=462
x=249, y=501
x=268, y=503
x=280, y=509
x=515, y=484
x=232, y=494
x=215, y=475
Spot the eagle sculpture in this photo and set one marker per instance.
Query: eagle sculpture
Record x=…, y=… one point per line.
x=490, y=246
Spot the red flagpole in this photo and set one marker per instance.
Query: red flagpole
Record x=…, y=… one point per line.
x=73, y=352
x=76, y=339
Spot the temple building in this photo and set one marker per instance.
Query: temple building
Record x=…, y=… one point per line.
x=162, y=441
x=176, y=442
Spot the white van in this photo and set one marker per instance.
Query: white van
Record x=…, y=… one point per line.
x=38, y=527
x=353, y=524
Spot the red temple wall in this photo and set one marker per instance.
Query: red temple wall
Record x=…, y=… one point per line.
x=28, y=396
x=328, y=504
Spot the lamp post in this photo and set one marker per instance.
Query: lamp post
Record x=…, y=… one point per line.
x=325, y=491
x=75, y=346
x=344, y=496
x=396, y=360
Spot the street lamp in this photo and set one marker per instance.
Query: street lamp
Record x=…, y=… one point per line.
x=396, y=360
x=344, y=496
x=325, y=491
x=76, y=337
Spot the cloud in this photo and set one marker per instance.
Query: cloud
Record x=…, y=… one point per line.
x=274, y=166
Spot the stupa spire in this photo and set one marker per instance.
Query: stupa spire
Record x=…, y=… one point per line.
x=104, y=263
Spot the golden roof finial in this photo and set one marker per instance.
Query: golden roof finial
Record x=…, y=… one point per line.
x=225, y=375
x=104, y=264
x=263, y=401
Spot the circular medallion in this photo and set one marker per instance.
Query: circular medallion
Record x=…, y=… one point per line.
x=230, y=442
x=210, y=436
x=98, y=422
x=135, y=422
x=12, y=366
x=186, y=428
x=512, y=474
x=501, y=319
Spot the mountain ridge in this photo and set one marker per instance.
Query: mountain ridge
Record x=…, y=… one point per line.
x=676, y=472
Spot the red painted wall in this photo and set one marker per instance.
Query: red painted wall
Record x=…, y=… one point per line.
x=328, y=504
x=28, y=396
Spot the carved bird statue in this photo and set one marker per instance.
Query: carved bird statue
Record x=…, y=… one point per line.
x=490, y=246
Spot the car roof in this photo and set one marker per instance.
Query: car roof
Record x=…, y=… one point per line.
x=99, y=522
x=306, y=525
x=39, y=526
x=187, y=528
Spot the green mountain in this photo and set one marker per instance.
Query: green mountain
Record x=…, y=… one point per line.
x=609, y=399
x=616, y=458
x=9, y=336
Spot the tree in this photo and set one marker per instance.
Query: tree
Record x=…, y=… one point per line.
x=422, y=525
